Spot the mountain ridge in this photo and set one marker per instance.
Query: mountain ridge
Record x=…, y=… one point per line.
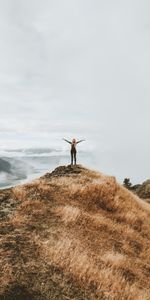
x=74, y=234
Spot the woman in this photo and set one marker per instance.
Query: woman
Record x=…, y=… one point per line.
x=73, y=149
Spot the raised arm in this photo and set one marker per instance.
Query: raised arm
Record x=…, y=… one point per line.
x=80, y=141
x=67, y=141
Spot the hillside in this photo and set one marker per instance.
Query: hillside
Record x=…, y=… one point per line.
x=142, y=190
x=74, y=234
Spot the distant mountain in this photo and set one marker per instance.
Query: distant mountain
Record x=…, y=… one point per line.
x=12, y=171
x=142, y=190
x=5, y=166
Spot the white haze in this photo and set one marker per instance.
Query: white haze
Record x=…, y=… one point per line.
x=78, y=68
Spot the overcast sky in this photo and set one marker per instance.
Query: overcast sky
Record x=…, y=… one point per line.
x=78, y=68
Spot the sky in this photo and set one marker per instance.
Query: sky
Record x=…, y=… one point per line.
x=78, y=68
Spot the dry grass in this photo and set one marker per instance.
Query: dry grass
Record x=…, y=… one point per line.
x=68, y=213
x=32, y=207
x=6, y=277
x=19, y=193
x=85, y=237
x=18, y=220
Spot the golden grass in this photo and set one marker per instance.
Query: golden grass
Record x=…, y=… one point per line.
x=72, y=257
x=19, y=193
x=67, y=213
x=30, y=207
x=7, y=276
x=18, y=220
x=89, y=228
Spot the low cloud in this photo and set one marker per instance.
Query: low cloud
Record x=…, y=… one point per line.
x=77, y=67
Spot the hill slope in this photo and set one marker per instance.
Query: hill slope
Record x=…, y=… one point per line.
x=74, y=234
x=142, y=190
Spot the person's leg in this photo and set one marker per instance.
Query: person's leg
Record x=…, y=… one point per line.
x=71, y=157
x=75, y=158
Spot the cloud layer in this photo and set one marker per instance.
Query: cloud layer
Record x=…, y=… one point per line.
x=78, y=68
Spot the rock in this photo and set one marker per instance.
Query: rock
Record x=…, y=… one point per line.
x=142, y=190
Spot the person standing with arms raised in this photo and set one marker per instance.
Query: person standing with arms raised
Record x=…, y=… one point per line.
x=73, y=150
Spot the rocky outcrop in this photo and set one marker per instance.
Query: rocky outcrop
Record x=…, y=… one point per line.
x=142, y=190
